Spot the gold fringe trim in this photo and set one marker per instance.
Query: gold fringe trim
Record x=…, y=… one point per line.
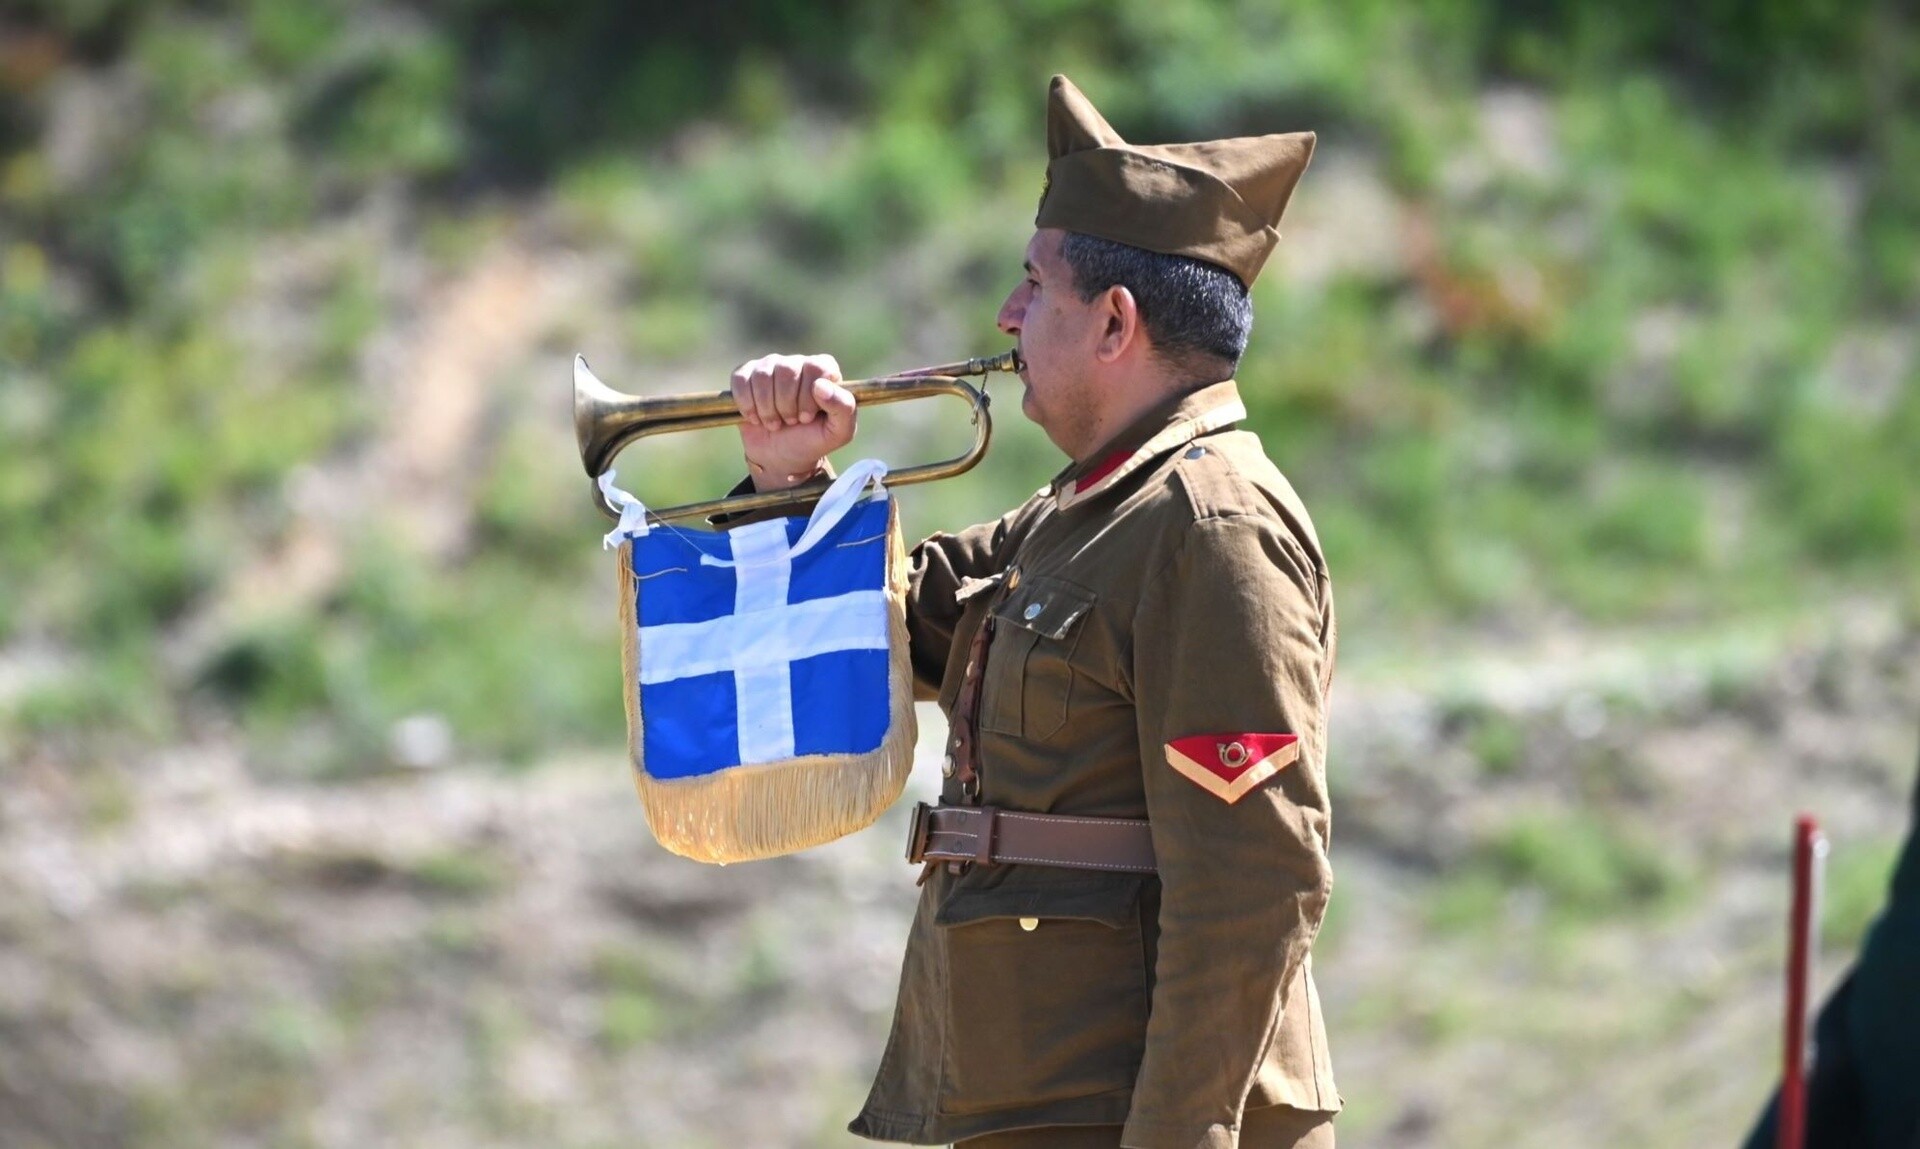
x=762, y=811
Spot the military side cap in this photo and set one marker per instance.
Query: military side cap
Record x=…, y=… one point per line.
x=1217, y=200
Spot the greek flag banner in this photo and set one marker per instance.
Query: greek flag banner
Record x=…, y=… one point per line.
x=768, y=700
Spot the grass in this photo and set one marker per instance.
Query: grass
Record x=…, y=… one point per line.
x=1558, y=868
x=628, y=1019
x=1496, y=739
x=1615, y=385
x=1583, y=864
x=1855, y=890
x=464, y=873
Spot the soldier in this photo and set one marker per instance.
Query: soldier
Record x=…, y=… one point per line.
x=1863, y=1091
x=1129, y=861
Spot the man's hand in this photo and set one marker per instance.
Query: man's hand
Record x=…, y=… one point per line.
x=794, y=414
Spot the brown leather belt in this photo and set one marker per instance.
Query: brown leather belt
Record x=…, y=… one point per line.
x=985, y=835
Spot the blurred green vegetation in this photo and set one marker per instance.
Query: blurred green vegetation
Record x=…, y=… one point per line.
x=1658, y=367
x=1576, y=866
x=1855, y=890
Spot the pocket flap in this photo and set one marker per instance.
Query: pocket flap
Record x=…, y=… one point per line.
x=1112, y=899
x=1047, y=606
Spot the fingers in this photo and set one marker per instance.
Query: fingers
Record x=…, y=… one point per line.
x=753, y=386
x=778, y=390
x=793, y=414
x=742, y=388
x=787, y=374
x=764, y=381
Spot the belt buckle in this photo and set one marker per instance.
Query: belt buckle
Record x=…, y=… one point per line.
x=917, y=833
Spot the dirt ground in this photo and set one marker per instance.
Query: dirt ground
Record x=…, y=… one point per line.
x=1558, y=922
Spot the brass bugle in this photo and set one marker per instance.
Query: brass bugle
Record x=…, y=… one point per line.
x=606, y=421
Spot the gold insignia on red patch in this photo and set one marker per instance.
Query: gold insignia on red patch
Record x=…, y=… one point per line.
x=1229, y=765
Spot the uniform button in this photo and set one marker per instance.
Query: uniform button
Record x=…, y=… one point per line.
x=1029, y=924
x=1013, y=578
x=1032, y=612
x=946, y=768
x=1196, y=452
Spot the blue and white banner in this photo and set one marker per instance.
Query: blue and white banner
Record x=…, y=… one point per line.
x=768, y=697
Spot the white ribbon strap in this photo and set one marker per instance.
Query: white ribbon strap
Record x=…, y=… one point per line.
x=633, y=514
x=842, y=497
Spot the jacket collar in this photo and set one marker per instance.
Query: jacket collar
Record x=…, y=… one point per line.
x=1175, y=423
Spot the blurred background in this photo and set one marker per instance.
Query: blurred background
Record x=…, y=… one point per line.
x=1591, y=345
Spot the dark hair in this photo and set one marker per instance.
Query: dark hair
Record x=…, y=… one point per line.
x=1189, y=307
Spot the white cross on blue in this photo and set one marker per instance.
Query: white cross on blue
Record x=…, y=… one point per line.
x=773, y=657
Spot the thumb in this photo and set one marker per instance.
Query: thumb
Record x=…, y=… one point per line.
x=836, y=403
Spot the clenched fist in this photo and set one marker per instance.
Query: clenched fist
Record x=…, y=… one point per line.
x=794, y=414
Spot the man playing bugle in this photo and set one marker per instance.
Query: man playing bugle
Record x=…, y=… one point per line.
x=1128, y=864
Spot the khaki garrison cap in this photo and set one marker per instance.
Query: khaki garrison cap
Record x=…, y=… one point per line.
x=1218, y=200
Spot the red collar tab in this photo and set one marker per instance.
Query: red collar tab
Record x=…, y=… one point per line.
x=1105, y=467
x=1121, y=463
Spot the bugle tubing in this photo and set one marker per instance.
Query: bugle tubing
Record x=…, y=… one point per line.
x=606, y=421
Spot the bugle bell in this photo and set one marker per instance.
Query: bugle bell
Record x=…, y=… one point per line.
x=606, y=421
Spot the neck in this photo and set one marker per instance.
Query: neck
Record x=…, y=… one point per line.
x=1127, y=396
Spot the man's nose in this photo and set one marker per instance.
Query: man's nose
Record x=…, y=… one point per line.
x=1013, y=312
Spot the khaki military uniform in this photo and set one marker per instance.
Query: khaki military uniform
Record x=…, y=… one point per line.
x=1162, y=647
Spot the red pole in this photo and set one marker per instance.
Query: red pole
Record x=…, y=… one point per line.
x=1809, y=850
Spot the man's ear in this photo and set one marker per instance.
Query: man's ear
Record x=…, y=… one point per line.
x=1123, y=328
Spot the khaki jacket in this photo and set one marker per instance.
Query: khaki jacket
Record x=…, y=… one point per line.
x=1164, y=621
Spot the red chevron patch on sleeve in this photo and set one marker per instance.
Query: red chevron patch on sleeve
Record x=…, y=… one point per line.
x=1229, y=765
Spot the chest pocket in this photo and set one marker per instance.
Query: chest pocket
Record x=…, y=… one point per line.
x=1029, y=679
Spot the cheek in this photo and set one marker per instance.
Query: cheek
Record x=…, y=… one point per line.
x=1044, y=321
